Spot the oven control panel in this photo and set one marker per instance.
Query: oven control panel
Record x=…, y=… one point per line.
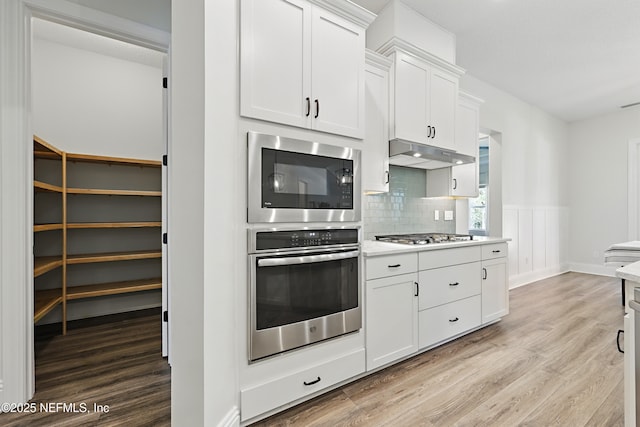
x=285, y=239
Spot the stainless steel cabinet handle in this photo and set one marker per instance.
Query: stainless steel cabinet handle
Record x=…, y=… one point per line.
x=417, y=289
x=455, y=183
x=454, y=320
x=394, y=265
x=306, y=259
x=497, y=251
x=434, y=132
x=484, y=273
x=429, y=134
x=308, y=106
x=317, y=108
x=454, y=284
x=386, y=181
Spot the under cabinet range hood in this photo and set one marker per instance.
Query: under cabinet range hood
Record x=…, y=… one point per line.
x=421, y=156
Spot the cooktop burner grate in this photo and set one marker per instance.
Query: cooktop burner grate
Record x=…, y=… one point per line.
x=424, y=238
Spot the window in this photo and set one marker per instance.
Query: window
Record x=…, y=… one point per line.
x=479, y=206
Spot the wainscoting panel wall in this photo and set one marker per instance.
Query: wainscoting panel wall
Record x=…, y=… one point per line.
x=539, y=237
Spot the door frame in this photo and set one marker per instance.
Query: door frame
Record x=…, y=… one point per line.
x=632, y=189
x=17, y=362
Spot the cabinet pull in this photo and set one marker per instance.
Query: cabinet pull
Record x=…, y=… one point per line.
x=454, y=284
x=620, y=331
x=308, y=106
x=496, y=251
x=317, y=108
x=429, y=134
x=434, y=132
x=484, y=273
x=316, y=381
x=394, y=266
x=386, y=181
x=417, y=289
x=455, y=319
x=455, y=183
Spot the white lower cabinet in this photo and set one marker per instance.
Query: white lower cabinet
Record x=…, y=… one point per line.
x=280, y=391
x=495, y=287
x=418, y=299
x=391, y=319
x=445, y=321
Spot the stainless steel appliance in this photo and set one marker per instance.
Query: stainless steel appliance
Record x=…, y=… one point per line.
x=304, y=287
x=424, y=238
x=422, y=156
x=291, y=180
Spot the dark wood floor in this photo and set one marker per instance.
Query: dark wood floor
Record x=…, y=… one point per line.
x=112, y=361
x=552, y=361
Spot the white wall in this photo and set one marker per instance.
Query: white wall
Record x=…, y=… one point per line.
x=598, y=182
x=534, y=157
x=204, y=255
x=87, y=102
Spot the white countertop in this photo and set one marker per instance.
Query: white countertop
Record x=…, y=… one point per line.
x=630, y=272
x=375, y=248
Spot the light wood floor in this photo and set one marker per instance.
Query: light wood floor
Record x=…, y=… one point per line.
x=552, y=361
x=117, y=363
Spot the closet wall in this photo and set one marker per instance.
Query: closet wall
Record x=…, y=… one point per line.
x=94, y=95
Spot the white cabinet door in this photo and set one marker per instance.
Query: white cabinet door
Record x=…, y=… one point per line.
x=301, y=65
x=425, y=103
x=337, y=75
x=467, y=136
x=275, y=52
x=443, y=99
x=495, y=289
x=375, y=153
x=391, y=319
x=410, y=113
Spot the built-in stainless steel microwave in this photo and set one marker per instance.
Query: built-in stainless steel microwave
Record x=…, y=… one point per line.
x=291, y=180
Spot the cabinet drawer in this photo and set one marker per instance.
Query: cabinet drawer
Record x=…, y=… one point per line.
x=445, y=321
x=391, y=265
x=445, y=257
x=447, y=284
x=281, y=391
x=495, y=250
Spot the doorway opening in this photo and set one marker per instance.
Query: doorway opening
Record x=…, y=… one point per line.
x=99, y=207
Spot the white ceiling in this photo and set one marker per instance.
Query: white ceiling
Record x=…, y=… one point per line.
x=572, y=58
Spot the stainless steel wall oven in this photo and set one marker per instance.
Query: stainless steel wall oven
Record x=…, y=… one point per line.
x=291, y=180
x=304, y=287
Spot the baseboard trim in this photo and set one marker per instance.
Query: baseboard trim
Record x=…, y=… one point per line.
x=232, y=419
x=598, y=270
x=534, y=276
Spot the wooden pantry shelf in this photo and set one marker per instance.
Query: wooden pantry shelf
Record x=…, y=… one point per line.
x=44, y=187
x=44, y=302
x=114, y=288
x=44, y=264
x=46, y=227
x=42, y=148
x=112, y=256
x=113, y=160
x=107, y=192
x=85, y=225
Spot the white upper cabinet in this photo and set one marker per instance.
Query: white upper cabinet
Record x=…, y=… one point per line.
x=462, y=180
x=425, y=99
x=302, y=65
x=375, y=152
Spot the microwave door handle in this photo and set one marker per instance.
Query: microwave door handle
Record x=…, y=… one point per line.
x=306, y=259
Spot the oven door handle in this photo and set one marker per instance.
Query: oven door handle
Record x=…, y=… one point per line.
x=306, y=259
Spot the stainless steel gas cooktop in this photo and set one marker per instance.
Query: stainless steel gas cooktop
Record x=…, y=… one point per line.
x=424, y=238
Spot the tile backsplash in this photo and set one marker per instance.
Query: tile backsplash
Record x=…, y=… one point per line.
x=404, y=209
